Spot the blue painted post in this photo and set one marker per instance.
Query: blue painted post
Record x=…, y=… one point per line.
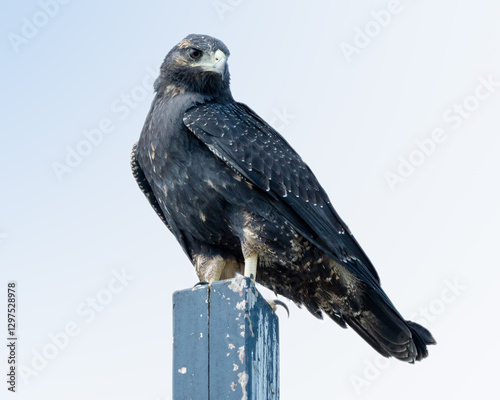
x=190, y=358
x=226, y=343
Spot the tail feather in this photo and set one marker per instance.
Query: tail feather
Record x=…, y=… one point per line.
x=421, y=337
x=381, y=326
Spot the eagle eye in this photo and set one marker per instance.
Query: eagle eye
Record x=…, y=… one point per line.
x=195, y=54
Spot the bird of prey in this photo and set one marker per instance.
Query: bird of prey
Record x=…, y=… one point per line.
x=239, y=199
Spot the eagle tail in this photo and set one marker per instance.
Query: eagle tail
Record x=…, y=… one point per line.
x=387, y=332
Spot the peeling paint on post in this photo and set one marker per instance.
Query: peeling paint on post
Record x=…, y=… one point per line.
x=190, y=375
x=231, y=354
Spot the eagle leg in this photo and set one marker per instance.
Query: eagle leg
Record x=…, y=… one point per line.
x=251, y=266
x=209, y=269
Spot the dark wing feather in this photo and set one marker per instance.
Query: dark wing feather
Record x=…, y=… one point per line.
x=143, y=183
x=145, y=186
x=249, y=145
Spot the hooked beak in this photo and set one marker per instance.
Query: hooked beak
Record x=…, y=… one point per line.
x=217, y=63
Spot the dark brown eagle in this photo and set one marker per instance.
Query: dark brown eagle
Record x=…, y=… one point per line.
x=239, y=199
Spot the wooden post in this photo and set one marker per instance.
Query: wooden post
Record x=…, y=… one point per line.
x=226, y=343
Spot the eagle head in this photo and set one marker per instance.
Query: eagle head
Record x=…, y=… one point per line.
x=197, y=64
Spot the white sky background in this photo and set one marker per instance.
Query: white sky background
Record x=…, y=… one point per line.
x=351, y=122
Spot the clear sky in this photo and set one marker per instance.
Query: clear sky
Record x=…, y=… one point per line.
x=394, y=105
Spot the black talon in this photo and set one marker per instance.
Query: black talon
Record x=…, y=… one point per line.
x=201, y=283
x=280, y=303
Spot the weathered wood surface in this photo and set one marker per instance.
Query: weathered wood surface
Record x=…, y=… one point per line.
x=226, y=343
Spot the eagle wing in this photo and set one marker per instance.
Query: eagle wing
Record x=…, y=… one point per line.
x=237, y=135
x=146, y=188
x=144, y=185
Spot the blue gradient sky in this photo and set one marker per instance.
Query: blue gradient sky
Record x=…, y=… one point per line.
x=64, y=239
